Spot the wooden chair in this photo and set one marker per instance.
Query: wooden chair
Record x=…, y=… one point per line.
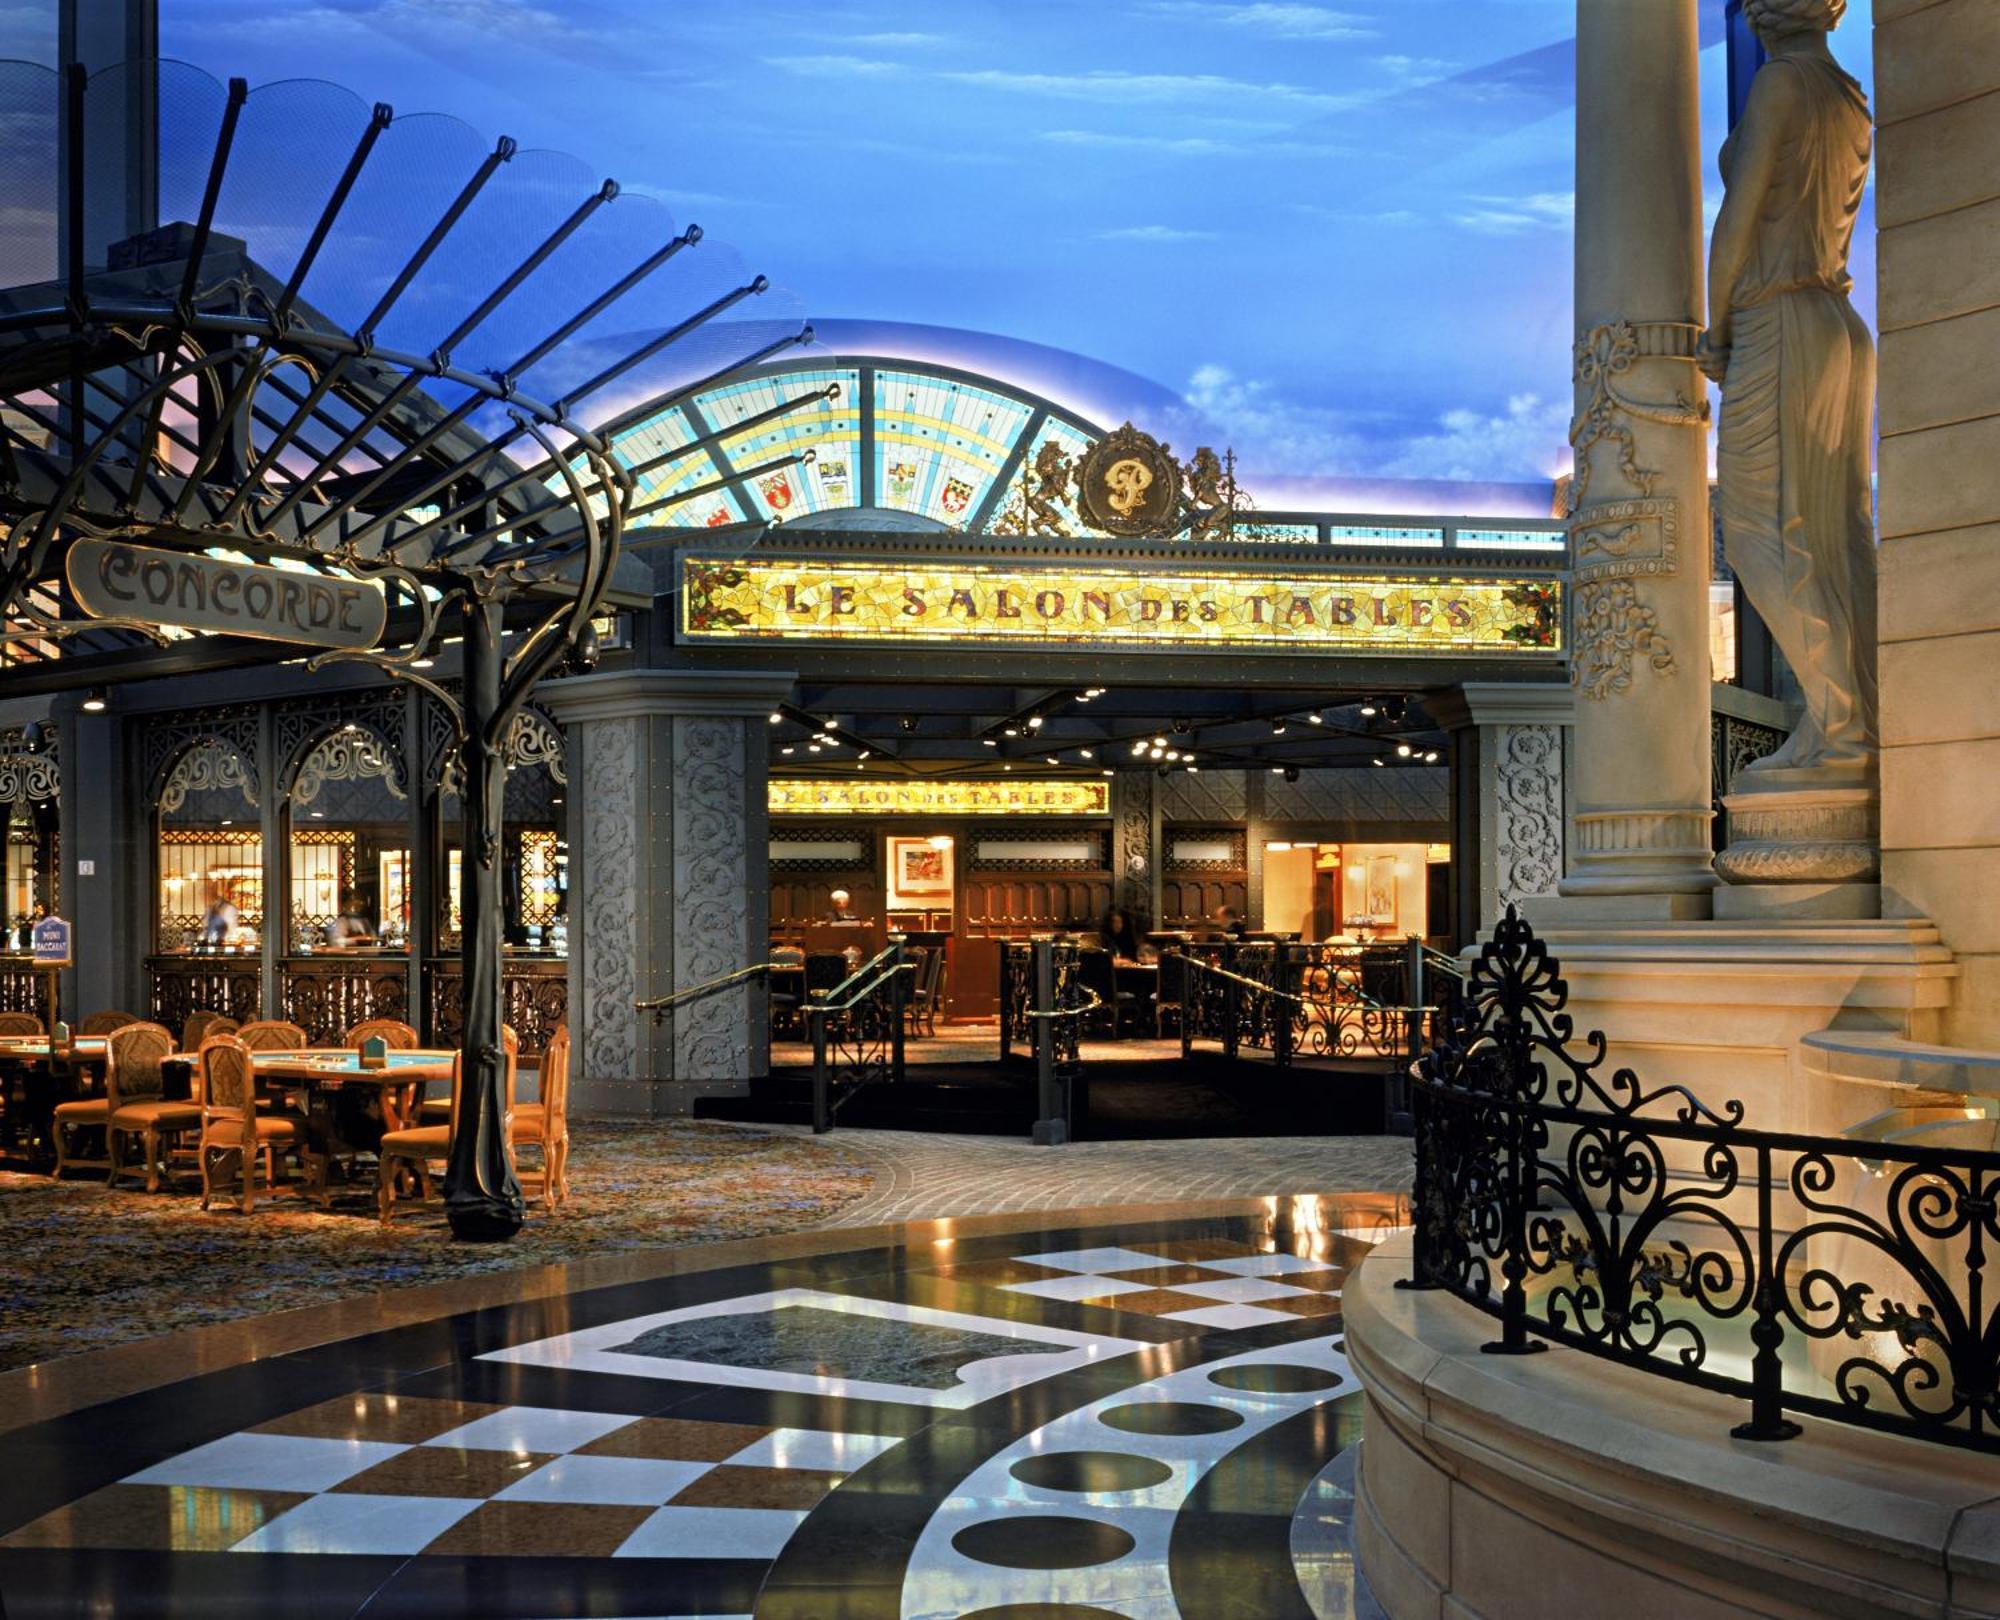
x=201, y=1025
x=20, y=1023
x=412, y=1151
x=392, y=1032
x=438, y=1109
x=545, y=1124
x=272, y=1035
x=230, y=1122
x=133, y=1085
x=105, y=1023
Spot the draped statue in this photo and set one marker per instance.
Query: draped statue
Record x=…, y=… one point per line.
x=1797, y=369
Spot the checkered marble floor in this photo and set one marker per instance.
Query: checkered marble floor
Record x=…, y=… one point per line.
x=1207, y=1282
x=375, y=1474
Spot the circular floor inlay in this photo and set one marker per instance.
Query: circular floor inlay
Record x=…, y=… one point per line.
x=1043, y=1541
x=1043, y=1611
x=1170, y=1417
x=1091, y=1471
x=1275, y=1378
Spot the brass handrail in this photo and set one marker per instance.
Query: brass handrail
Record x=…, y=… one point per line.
x=660, y=1006
x=829, y=1004
x=1091, y=1005
x=1367, y=1002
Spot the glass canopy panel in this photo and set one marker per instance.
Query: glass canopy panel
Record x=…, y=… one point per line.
x=831, y=428
x=655, y=437
x=1512, y=539
x=940, y=444
x=1010, y=513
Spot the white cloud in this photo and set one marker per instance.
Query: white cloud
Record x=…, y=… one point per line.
x=1271, y=17
x=896, y=41
x=1527, y=438
x=1146, y=89
x=1509, y=216
x=1414, y=70
x=1155, y=233
x=1189, y=145
x=834, y=66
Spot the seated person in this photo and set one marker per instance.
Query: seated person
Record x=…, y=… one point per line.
x=1118, y=935
x=1230, y=921
x=350, y=930
x=843, y=907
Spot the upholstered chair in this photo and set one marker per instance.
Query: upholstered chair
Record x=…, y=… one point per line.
x=272, y=1035
x=544, y=1124
x=134, y=1087
x=231, y=1123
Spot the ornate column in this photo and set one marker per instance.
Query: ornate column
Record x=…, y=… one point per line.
x=1639, y=526
x=1507, y=795
x=668, y=863
x=1134, y=849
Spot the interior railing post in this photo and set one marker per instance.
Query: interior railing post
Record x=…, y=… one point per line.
x=1232, y=1006
x=1050, y=1128
x=1006, y=1011
x=1514, y=1340
x=899, y=994
x=1285, y=982
x=822, y=1080
x=1190, y=1001
x=1767, y=1371
x=1425, y=1265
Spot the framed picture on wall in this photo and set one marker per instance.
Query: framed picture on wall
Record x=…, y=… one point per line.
x=920, y=873
x=1381, y=906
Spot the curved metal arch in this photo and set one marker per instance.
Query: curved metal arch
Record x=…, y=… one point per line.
x=163, y=775
x=391, y=752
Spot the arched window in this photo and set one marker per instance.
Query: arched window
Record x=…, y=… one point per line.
x=209, y=853
x=347, y=847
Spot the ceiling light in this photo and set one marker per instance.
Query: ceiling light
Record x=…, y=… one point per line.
x=1161, y=742
x=1051, y=758
x=812, y=748
x=423, y=663
x=96, y=701
x=1110, y=773
x=1315, y=719
x=1378, y=760
x=1277, y=770
x=788, y=749
x=1404, y=750
x=990, y=742
x=1139, y=747
x=776, y=717
x=1278, y=728
x=1368, y=711
x=1034, y=722
x=1087, y=753
x=1431, y=758
x=1194, y=770
x=1174, y=754
x=1012, y=731
x=864, y=753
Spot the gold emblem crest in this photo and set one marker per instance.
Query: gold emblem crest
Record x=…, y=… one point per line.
x=1128, y=483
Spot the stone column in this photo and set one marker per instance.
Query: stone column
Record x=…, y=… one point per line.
x=668, y=834
x=1639, y=528
x=1507, y=794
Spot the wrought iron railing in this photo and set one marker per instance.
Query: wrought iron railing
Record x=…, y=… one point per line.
x=1043, y=1005
x=1824, y=1276
x=857, y=1032
x=1302, y=1000
x=856, y=1027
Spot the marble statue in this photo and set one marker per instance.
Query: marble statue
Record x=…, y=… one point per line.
x=1797, y=369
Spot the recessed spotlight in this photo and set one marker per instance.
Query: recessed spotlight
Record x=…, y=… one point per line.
x=1051, y=758
x=812, y=748
x=1278, y=728
x=1012, y=731
x=990, y=742
x=1378, y=760
x=96, y=701
x=1431, y=757
x=1315, y=719
x=1404, y=750
x=776, y=718
x=423, y=663
x=1034, y=722
x=1174, y=754
x=1369, y=711
x=788, y=749
x=1087, y=753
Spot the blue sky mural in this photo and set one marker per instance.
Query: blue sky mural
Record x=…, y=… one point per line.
x=1335, y=236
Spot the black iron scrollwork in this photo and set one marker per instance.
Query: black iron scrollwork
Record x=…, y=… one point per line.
x=1648, y=1227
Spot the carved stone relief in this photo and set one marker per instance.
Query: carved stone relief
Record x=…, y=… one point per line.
x=710, y=874
x=1528, y=811
x=1613, y=628
x=609, y=918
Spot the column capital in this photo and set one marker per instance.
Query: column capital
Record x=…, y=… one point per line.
x=1502, y=703
x=624, y=693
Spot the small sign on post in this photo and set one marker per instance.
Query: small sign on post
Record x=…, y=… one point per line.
x=50, y=942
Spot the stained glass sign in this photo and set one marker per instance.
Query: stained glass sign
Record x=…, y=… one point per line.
x=836, y=796
x=763, y=598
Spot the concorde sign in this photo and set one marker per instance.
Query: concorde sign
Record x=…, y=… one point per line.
x=113, y=580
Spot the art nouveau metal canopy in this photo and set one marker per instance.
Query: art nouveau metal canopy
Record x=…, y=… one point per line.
x=271, y=354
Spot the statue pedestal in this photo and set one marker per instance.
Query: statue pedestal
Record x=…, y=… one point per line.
x=1812, y=828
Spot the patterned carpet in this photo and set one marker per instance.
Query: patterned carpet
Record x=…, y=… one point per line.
x=86, y=1267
